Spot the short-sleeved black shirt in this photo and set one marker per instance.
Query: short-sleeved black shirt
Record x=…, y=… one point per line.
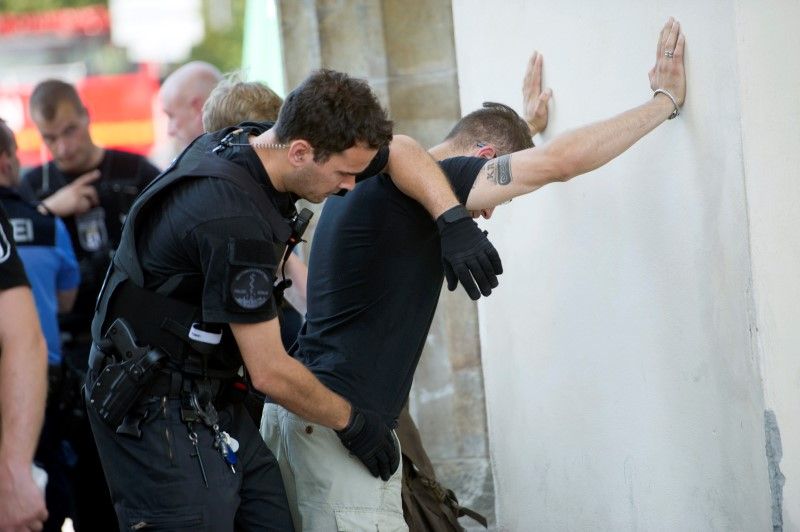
x=96, y=233
x=197, y=231
x=12, y=273
x=211, y=235
x=374, y=279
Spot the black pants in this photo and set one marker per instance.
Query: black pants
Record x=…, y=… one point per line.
x=56, y=456
x=93, y=510
x=76, y=487
x=157, y=481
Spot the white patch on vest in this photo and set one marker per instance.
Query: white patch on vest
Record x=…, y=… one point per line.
x=23, y=229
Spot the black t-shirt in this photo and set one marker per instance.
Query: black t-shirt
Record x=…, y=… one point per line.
x=12, y=273
x=374, y=278
x=95, y=234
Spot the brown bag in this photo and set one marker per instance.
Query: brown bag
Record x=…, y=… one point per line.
x=427, y=505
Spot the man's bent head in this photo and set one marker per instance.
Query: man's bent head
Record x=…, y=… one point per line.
x=333, y=112
x=495, y=124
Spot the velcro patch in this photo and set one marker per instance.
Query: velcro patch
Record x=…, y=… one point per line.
x=248, y=251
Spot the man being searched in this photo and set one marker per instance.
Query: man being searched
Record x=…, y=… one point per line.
x=91, y=189
x=44, y=246
x=234, y=101
x=427, y=504
x=23, y=387
x=188, y=300
x=374, y=283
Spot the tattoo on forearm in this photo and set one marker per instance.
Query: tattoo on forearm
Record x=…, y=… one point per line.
x=498, y=171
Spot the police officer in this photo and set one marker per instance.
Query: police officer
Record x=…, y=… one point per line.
x=23, y=386
x=52, y=269
x=189, y=299
x=91, y=188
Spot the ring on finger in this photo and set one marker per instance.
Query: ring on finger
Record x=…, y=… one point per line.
x=668, y=54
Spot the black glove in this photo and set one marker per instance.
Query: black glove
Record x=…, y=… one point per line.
x=368, y=437
x=467, y=253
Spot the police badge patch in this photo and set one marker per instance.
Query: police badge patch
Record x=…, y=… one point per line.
x=91, y=227
x=251, y=288
x=249, y=274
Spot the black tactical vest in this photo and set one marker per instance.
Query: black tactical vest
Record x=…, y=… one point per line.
x=123, y=293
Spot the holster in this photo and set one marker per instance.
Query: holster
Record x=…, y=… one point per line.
x=120, y=384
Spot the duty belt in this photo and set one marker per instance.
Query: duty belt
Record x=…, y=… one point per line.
x=169, y=383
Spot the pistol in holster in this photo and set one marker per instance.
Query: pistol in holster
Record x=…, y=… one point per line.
x=120, y=384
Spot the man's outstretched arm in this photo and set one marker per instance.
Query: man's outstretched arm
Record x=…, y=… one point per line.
x=590, y=147
x=467, y=255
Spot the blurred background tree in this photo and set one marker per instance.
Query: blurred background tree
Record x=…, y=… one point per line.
x=21, y=6
x=224, y=24
x=223, y=20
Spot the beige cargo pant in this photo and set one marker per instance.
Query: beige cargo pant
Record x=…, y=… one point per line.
x=328, y=489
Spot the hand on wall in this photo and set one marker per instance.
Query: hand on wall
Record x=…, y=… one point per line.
x=534, y=99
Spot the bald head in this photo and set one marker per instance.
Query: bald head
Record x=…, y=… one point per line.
x=182, y=96
x=9, y=162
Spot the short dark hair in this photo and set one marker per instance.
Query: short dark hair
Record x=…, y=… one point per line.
x=333, y=111
x=495, y=123
x=6, y=138
x=47, y=96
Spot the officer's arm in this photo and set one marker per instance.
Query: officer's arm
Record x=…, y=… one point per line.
x=418, y=176
x=23, y=373
x=23, y=387
x=285, y=380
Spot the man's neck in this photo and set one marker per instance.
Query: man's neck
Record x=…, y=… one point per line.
x=273, y=160
x=442, y=151
x=94, y=162
x=97, y=157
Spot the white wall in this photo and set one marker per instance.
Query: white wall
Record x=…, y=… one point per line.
x=621, y=352
x=770, y=108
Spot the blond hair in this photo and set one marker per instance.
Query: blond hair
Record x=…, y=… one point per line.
x=233, y=101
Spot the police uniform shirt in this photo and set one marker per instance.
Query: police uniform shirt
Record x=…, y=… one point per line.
x=94, y=233
x=122, y=176
x=210, y=239
x=12, y=273
x=374, y=279
x=46, y=252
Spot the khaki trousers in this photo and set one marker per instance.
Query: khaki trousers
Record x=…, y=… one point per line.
x=328, y=489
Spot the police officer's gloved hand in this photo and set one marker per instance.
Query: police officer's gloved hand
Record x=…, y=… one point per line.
x=372, y=441
x=467, y=253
